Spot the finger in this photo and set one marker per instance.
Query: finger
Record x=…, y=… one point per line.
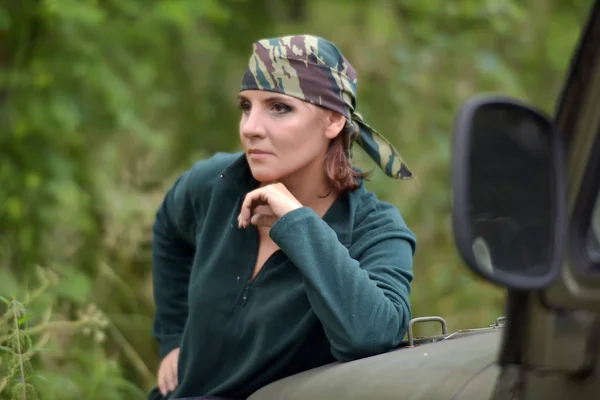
x=263, y=219
x=245, y=209
x=162, y=386
x=253, y=204
x=252, y=200
x=169, y=376
x=175, y=370
x=173, y=376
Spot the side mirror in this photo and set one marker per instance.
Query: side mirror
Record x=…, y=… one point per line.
x=509, y=207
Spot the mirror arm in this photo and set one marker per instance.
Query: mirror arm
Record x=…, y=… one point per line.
x=515, y=332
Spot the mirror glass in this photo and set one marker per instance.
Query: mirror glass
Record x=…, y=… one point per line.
x=593, y=236
x=510, y=192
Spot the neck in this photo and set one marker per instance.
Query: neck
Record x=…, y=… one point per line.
x=311, y=187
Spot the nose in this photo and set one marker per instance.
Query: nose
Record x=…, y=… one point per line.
x=252, y=124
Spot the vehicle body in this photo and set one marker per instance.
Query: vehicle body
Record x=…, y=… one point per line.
x=438, y=367
x=549, y=345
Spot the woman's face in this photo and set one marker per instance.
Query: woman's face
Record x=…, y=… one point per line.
x=282, y=135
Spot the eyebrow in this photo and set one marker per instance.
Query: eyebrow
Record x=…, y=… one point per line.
x=267, y=100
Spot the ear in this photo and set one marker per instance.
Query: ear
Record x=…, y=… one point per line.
x=334, y=124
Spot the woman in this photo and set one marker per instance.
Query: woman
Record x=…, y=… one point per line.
x=277, y=260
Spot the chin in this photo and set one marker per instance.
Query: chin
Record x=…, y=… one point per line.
x=264, y=173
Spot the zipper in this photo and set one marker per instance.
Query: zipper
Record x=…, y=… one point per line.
x=249, y=280
x=244, y=297
x=253, y=235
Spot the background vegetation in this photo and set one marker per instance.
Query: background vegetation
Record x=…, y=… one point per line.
x=104, y=103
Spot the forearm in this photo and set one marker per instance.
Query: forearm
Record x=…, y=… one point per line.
x=363, y=304
x=171, y=267
x=172, y=257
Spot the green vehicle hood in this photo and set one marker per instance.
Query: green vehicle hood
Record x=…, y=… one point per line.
x=461, y=366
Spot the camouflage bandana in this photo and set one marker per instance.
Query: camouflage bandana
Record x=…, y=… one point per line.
x=312, y=69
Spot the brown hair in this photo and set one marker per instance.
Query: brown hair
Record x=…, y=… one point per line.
x=338, y=168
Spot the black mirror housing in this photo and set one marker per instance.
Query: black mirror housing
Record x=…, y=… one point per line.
x=509, y=201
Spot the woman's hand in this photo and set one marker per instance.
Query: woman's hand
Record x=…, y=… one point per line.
x=265, y=205
x=167, y=372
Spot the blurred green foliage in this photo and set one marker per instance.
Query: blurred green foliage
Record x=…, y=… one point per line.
x=103, y=103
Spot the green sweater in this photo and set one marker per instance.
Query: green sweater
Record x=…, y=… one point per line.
x=337, y=289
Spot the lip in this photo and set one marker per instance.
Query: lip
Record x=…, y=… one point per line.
x=255, y=153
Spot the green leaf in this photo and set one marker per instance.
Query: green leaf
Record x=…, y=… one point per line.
x=74, y=286
x=41, y=377
x=8, y=283
x=5, y=20
x=40, y=349
x=7, y=349
x=24, y=319
x=14, y=208
x=4, y=299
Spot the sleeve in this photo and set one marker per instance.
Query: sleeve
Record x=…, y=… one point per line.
x=172, y=257
x=363, y=303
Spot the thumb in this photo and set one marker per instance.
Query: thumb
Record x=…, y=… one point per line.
x=263, y=219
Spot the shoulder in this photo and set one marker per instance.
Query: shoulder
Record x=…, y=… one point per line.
x=203, y=174
x=193, y=185
x=371, y=216
x=205, y=171
x=186, y=200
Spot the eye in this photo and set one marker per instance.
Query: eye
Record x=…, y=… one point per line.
x=245, y=106
x=280, y=108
